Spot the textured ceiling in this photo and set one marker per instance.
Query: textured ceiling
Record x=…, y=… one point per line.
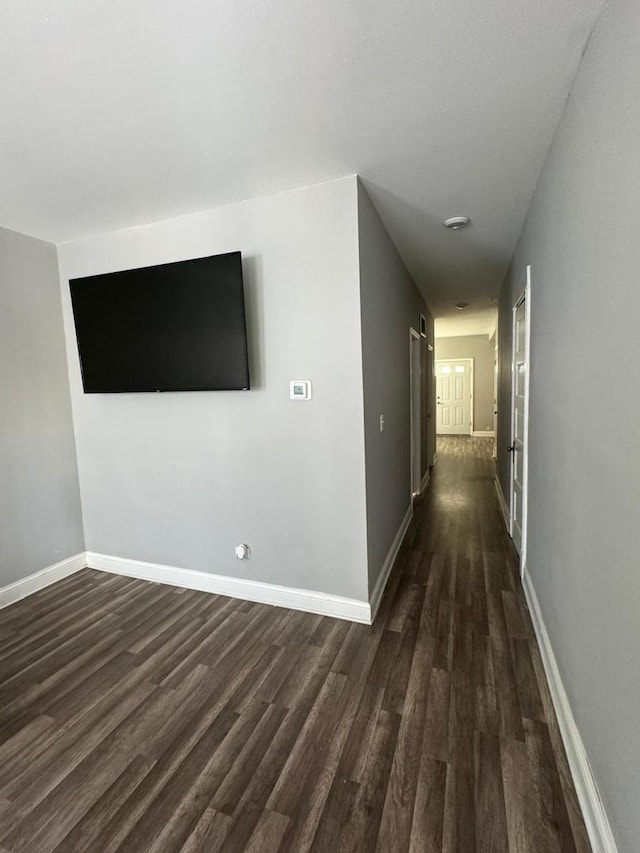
x=116, y=113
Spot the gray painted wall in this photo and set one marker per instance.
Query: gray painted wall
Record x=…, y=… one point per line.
x=481, y=350
x=181, y=478
x=390, y=304
x=39, y=496
x=581, y=239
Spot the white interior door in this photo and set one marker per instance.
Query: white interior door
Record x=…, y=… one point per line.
x=519, y=418
x=454, y=384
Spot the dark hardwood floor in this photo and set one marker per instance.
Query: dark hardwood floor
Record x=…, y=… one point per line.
x=139, y=717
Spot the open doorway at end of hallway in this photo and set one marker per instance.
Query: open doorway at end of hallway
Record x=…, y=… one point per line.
x=462, y=410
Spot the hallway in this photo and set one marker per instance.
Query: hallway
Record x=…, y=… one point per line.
x=508, y=786
x=140, y=717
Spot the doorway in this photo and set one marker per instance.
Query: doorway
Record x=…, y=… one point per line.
x=495, y=396
x=415, y=378
x=454, y=396
x=520, y=419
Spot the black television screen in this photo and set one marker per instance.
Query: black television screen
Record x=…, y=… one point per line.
x=172, y=327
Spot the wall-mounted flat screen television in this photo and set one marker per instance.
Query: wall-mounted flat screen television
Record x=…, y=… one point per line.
x=173, y=327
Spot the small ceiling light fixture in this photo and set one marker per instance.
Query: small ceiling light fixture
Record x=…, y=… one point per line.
x=462, y=305
x=455, y=223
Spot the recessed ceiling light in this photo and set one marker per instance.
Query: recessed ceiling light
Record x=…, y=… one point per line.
x=462, y=305
x=455, y=223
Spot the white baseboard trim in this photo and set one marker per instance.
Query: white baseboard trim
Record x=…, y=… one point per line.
x=483, y=433
x=425, y=481
x=383, y=577
x=39, y=580
x=310, y=601
x=595, y=817
x=503, y=504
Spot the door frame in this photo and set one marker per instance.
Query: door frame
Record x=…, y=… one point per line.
x=432, y=415
x=496, y=356
x=525, y=296
x=469, y=361
x=415, y=413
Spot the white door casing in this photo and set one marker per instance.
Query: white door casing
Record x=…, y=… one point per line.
x=520, y=419
x=415, y=379
x=454, y=396
x=495, y=398
x=430, y=406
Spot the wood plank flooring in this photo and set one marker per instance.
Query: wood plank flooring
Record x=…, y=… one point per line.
x=139, y=717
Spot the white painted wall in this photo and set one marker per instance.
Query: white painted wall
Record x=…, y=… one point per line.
x=181, y=478
x=40, y=520
x=390, y=304
x=581, y=239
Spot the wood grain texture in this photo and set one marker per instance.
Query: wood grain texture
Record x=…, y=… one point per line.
x=149, y=719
